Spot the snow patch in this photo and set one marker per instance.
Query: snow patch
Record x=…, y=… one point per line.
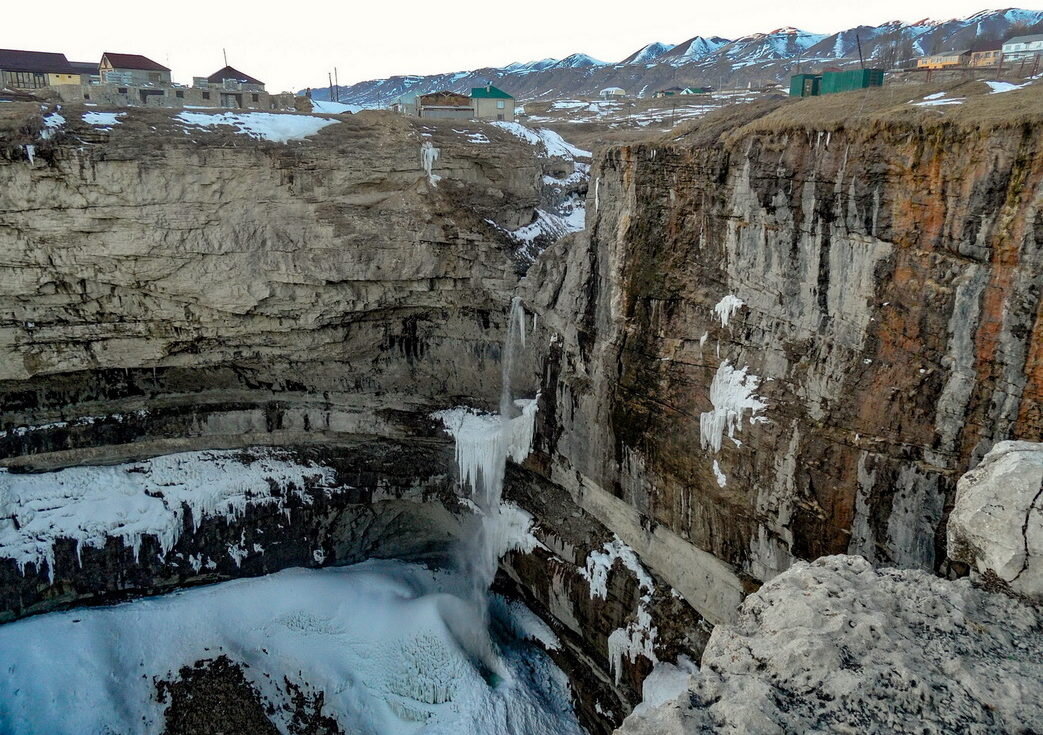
x=93, y=504
x=722, y=480
x=334, y=108
x=553, y=144
x=732, y=393
x=727, y=307
x=279, y=128
x=1001, y=87
x=103, y=120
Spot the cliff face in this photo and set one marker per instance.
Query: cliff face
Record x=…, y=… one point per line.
x=791, y=342
x=167, y=288
x=225, y=286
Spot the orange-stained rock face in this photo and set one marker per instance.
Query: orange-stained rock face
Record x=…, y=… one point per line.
x=890, y=284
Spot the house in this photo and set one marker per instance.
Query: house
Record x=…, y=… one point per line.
x=612, y=93
x=88, y=71
x=1020, y=48
x=491, y=103
x=231, y=79
x=233, y=88
x=404, y=104
x=944, y=61
x=35, y=69
x=668, y=92
x=697, y=90
x=132, y=69
x=990, y=57
x=444, y=105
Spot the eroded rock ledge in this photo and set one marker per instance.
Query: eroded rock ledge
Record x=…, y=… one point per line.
x=838, y=646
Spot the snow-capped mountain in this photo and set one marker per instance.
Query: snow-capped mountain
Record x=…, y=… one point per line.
x=694, y=49
x=758, y=58
x=648, y=53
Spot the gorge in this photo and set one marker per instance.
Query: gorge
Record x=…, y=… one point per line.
x=759, y=371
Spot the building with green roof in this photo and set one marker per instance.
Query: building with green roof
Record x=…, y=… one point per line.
x=492, y=103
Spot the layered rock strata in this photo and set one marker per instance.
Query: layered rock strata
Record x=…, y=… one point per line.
x=777, y=341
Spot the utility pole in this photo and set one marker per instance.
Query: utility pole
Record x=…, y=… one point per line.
x=861, y=61
x=336, y=83
x=331, y=85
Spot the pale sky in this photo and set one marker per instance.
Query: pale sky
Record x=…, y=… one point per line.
x=291, y=45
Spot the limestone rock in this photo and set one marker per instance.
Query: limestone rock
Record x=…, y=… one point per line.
x=778, y=340
x=838, y=646
x=996, y=526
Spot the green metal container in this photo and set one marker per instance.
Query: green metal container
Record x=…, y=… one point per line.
x=850, y=80
x=804, y=85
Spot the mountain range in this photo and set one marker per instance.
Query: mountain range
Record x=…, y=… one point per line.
x=757, y=59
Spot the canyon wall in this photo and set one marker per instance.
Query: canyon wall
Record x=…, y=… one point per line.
x=201, y=296
x=163, y=281
x=779, y=340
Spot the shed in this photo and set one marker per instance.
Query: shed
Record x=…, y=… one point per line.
x=804, y=85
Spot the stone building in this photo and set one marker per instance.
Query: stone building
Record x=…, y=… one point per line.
x=117, y=95
x=34, y=69
x=491, y=103
x=132, y=70
x=229, y=78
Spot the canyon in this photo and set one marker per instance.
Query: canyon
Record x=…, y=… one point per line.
x=784, y=334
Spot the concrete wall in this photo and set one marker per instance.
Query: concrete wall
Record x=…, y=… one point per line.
x=447, y=113
x=111, y=96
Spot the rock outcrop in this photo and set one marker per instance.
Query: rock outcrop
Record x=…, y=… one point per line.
x=780, y=339
x=996, y=525
x=838, y=646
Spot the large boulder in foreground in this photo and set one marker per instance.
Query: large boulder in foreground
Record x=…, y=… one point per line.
x=996, y=526
x=838, y=646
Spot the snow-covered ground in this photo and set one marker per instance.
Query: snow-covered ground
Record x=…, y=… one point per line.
x=279, y=128
x=622, y=114
x=334, y=108
x=387, y=642
x=129, y=501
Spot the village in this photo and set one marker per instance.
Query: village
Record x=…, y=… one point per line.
x=133, y=80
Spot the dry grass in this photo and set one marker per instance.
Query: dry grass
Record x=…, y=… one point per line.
x=875, y=108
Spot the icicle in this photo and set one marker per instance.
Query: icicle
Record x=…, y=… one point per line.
x=428, y=156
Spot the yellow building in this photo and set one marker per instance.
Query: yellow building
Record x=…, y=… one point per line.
x=992, y=57
x=54, y=78
x=944, y=61
x=35, y=69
